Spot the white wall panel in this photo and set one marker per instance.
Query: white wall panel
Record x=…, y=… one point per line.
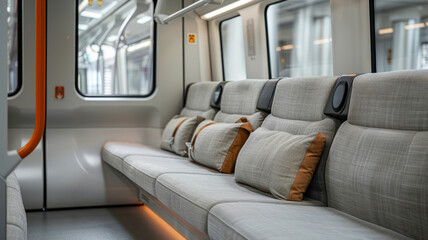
x=76, y=175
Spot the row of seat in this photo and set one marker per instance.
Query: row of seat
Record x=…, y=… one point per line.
x=370, y=182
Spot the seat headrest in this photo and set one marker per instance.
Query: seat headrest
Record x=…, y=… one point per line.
x=241, y=97
x=199, y=95
x=302, y=98
x=393, y=100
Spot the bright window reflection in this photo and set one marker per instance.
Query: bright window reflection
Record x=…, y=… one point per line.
x=116, y=48
x=401, y=35
x=300, y=42
x=13, y=44
x=233, y=50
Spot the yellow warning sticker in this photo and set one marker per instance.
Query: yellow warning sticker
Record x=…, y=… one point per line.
x=191, y=38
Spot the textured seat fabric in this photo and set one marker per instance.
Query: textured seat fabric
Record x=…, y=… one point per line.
x=239, y=99
x=144, y=170
x=114, y=153
x=253, y=221
x=298, y=108
x=378, y=163
x=199, y=99
x=192, y=195
x=16, y=216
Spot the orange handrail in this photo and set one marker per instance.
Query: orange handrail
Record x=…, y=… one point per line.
x=40, y=80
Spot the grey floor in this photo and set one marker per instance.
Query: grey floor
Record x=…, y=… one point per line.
x=98, y=223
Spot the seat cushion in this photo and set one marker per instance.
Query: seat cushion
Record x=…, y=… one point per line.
x=192, y=196
x=144, y=170
x=16, y=217
x=275, y=221
x=114, y=153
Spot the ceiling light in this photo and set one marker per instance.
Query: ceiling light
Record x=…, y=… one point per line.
x=140, y=45
x=224, y=9
x=89, y=14
x=386, y=31
x=144, y=19
x=8, y=9
x=322, y=41
x=83, y=27
x=414, y=26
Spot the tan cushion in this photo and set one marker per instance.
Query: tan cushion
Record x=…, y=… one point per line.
x=279, y=162
x=177, y=132
x=217, y=145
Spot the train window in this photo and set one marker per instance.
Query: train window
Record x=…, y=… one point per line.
x=14, y=45
x=115, y=48
x=299, y=38
x=232, y=49
x=401, y=33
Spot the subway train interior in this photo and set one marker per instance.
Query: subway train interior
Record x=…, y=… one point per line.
x=213, y=119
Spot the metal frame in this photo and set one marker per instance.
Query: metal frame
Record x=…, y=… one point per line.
x=164, y=19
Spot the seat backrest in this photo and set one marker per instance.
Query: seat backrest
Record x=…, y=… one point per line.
x=298, y=108
x=239, y=99
x=377, y=169
x=198, y=100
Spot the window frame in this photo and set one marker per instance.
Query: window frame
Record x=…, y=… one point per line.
x=221, y=43
x=373, y=36
x=19, y=77
x=267, y=35
x=154, y=63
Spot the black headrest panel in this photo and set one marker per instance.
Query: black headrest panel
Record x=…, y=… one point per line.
x=266, y=96
x=216, y=98
x=340, y=97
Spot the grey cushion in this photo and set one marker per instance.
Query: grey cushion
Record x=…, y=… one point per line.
x=198, y=100
x=217, y=145
x=192, y=195
x=209, y=114
x=114, y=153
x=16, y=228
x=273, y=161
x=233, y=221
x=298, y=108
x=144, y=170
x=255, y=119
x=380, y=175
x=394, y=100
x=178, y=132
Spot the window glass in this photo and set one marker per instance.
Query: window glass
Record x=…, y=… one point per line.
x=233, y=50
x=401, y=29
x=13, y=42
x=115, y=49
x=299, y=38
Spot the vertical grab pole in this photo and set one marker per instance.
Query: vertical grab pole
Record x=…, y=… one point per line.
x=3, y=112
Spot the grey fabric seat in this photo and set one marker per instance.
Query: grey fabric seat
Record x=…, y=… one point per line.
x=298, y=108
x=273, y=221
x=143, y=165
x=16, y=216
x=193, y=195
x=114, y=153
x=239, y=99
x=198, y=103
x=378, y=163
x=144, y=170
